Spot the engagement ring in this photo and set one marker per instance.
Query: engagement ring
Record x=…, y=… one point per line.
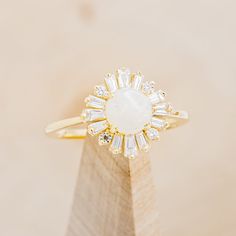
x=125, y=113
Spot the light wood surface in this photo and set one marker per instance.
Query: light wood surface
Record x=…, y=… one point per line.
x=113, y=196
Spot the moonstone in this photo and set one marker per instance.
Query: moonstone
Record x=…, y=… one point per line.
x=129, y=110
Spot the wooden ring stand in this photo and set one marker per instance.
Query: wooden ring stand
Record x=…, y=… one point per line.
x=114, y=196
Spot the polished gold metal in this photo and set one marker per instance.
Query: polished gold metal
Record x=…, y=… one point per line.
x=68, y=128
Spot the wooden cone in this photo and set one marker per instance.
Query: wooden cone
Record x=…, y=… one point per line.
x=113, y=196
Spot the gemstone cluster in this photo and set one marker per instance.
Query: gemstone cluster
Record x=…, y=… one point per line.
x=126, y=113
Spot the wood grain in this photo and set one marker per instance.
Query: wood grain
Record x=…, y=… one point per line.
x=113, y=196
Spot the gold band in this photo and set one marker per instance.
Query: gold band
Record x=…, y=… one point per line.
x=71, y=128
x=68, y=128
x=175, y=119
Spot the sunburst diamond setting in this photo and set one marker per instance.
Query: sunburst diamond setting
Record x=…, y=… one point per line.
x=126, y=112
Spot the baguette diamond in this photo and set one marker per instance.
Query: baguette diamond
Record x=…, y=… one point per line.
x=116, y=145
x=142, y=142
x=162, y=109
x=111, y=83
x=93, y=115
x=123, y=78
x=163, y=106
x=152, y=134
x=95, y=102
x=130, y=146
x=158, y=123
x=137, y=81
x=97, y=127
x=157, y=97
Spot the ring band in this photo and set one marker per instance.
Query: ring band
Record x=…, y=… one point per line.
x=70, y=128
x=125, y=112
x=67, y=128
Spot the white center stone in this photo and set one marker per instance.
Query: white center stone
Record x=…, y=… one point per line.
x=129, y=110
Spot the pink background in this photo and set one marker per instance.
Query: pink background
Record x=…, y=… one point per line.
x=52, y=53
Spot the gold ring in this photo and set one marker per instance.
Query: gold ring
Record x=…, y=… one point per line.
x=125, y=112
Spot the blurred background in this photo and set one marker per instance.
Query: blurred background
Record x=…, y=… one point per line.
x=52, y=53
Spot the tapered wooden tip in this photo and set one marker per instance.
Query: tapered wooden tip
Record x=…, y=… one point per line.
x=114, y=196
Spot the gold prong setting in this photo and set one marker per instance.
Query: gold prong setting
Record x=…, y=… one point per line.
x=105, y=138
x=126, y=141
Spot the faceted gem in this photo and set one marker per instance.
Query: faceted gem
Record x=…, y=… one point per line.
x=162, y=109
x=142, y=142
x=97, y=127
x=137, y=81
x=116, y=145
x=130, y=146
x=158, y=123
x=163, y=106
x=152, y=134
x=148, y=87
x=157, y=97
x=111, y=83
x=129, y=111
x=101, y=91
x=105, y=138
x=93, y=115
x=123, y=78
x=95, y=102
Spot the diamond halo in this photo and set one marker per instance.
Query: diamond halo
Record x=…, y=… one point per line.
x=124, y=112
